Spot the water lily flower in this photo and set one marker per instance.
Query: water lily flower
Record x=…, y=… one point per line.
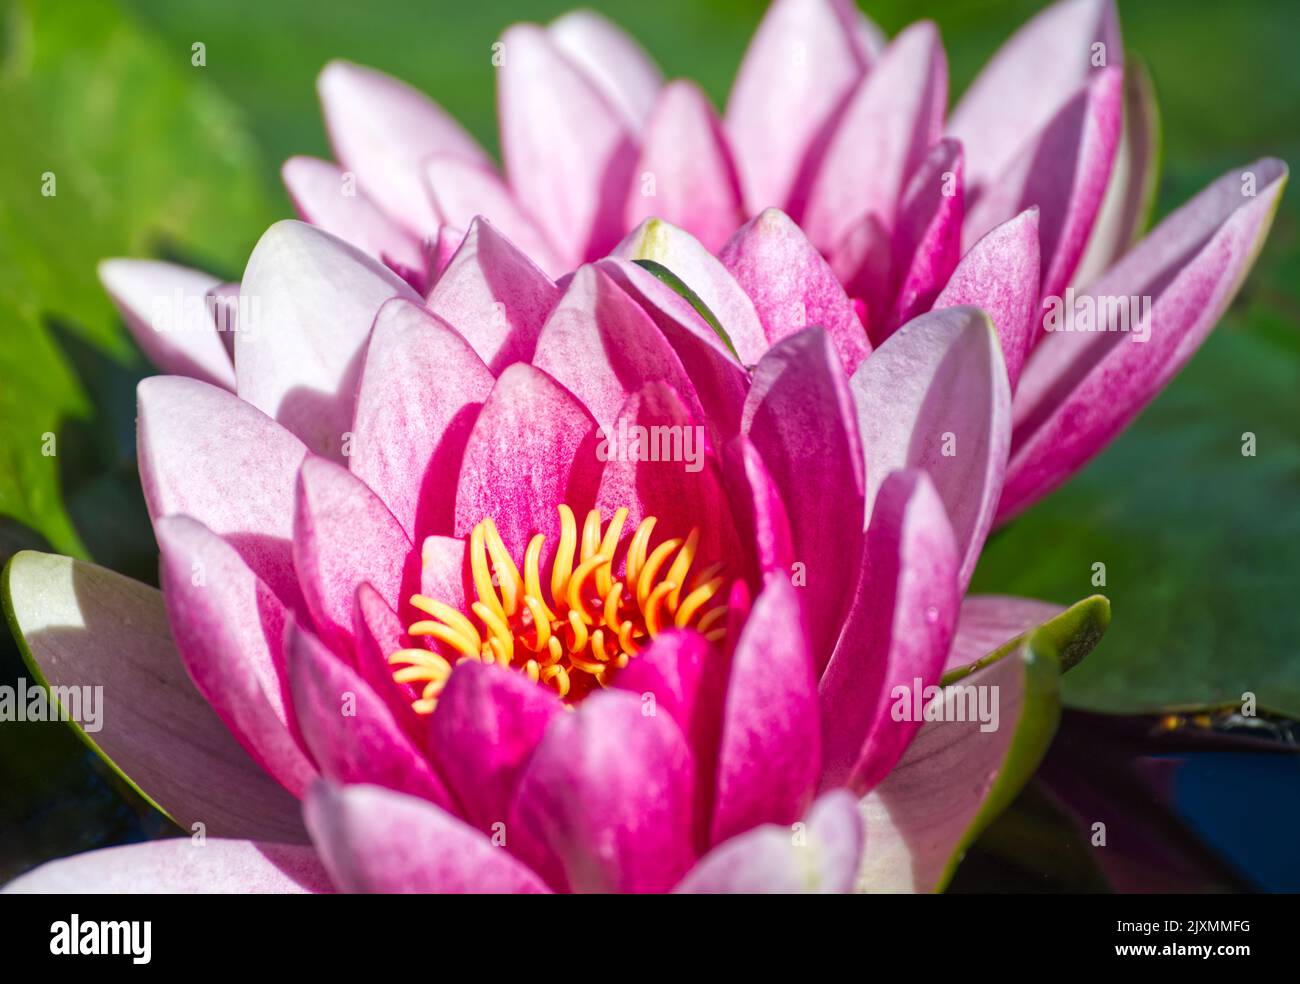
x=429, y=621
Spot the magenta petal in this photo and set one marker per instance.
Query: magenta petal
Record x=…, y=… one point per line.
x=482, y=733
x=180, y=866
x=439, y=250
x=350, y=733
x=769, y=755
x=605, y=802
x=568, y=152
x=495, y=296
x=343, y=536
x=377, y=840
x=819, y=855
x=897, y=632
x=612, y=59
x=1080, y=388
x=883, y=135
x=685, y=173
x=791, y=286
x=757, y=508
x=987, y=622
x=208, y=454
x=531, y=449
x=462, y=191
x=166, y=308
x=379, y=632
x=326, y=196
x=863, y=261
x=601, y=345
x=804, y=60
x=1000, y=276
x=935, y=396
x=800, y=416
x=309, y=301
x=1030, y=78
x=1063, y=169
x=421, y=388
x=384, y=130
x=229, y=629
x=667, y=675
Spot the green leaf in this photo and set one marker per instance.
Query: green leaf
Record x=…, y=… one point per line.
x=1074, y=633
x=661, y=272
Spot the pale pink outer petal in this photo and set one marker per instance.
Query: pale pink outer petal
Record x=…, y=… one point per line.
x=181, y=866
x=351, y=734
x=308, y=300
x=462, y=191
x=769, y=755
x=344, y=536
x=229, y=629
x=791, y=286
x=1036, y=72
x=987, y=622
x=1064, y=170
x=612, y=59
x=324, y=195
x=685, y=174
x=166, y=308
x=604, y=804
x=495, y=296
x=802, y=63
x=818, y=855
x=1081, y=388
x=532, y=448
x=664, y=243
x=85, y=626
x=379, y=841
x=892, y=120
x=897, y=631
x=935, y=396
x=602, y=346
x=421, y=389
x=1000, y=276
x=206, y=453
x=383, y=130
x=568, y=151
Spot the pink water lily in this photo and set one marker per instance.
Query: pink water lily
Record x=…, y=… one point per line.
x=1037, y=183
x=472, y=640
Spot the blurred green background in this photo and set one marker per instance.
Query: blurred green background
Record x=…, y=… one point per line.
x=153, y=156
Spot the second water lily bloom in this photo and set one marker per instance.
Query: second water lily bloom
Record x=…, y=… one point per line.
x=416, y=634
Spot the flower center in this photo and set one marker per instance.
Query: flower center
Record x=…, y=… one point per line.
x=594, y=621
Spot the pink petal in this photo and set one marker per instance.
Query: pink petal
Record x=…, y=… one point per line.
x=344, y=536
x=568, y=151
x=208, y=454
x=685, y=174
x=668, y=675
x=1032, y=76
x=770, y=751
x=605, y=802
x=310, y=300
x=421, y=389
x=1000, y=276
x=1081, y=388
x=531, y=449
x=326, y=196
x=180, y=866
x=863, y=261
x=887, y=127
x=352, y=736
x=1064, y=170
x=228, y=627
x=495, y=296
x=987, y=622
x=800, y=416
x=487, y=723
x=85, y=626
x=384, y=130
x=612, y=59
x=934, y=396
x=819, y=855
x=791, y=286
x=378, y=841
x=756, y=507
x=463, y=191
x=379, y=632
x=802, y=63
x=897, y=631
